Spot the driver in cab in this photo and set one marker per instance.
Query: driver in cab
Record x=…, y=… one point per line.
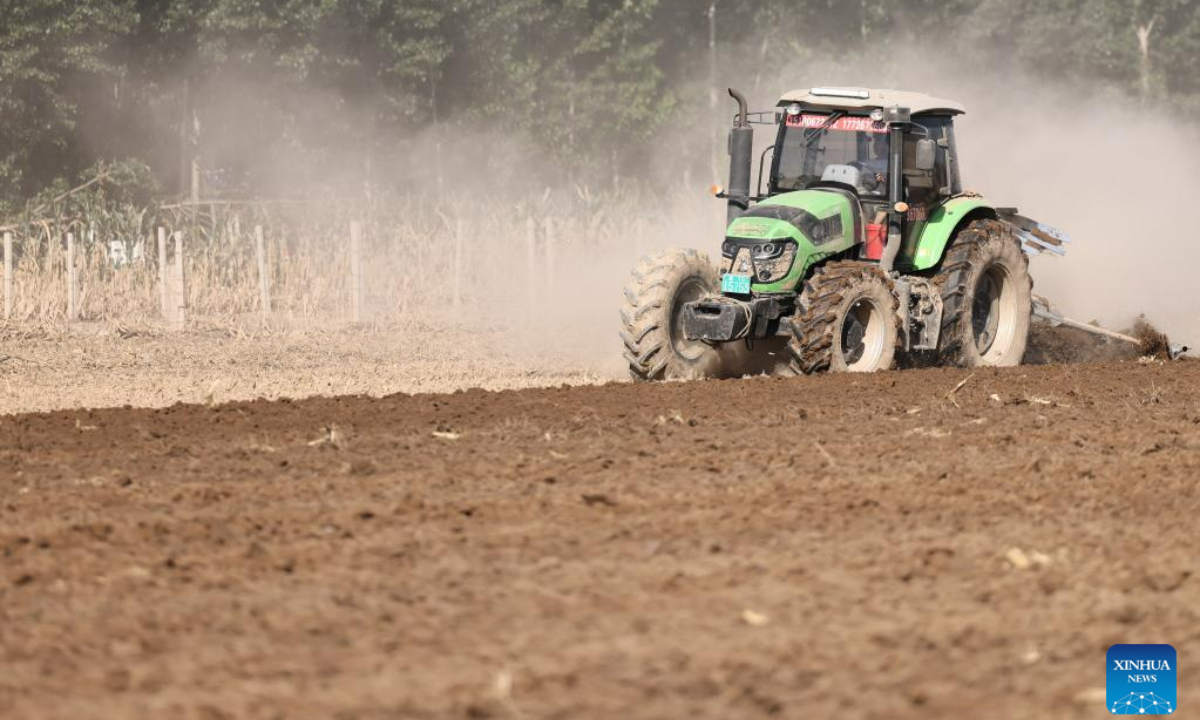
x=878, y=163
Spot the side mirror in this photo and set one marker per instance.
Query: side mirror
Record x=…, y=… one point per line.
x=926, y=155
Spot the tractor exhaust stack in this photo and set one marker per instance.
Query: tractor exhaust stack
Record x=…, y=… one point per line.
x=741, y=158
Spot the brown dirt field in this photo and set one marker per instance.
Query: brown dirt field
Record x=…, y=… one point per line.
x=154, y=368
x=847, y=546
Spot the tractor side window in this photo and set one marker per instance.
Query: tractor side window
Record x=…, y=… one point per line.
x=945, y=173
x=921, y=186
x=925, y=189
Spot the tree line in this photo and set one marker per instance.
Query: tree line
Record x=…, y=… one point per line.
x=340, y=89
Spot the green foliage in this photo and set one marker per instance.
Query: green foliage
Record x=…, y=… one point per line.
x=50, y=52
x=321, y=89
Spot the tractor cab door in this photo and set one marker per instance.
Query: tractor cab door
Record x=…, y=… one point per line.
x=925, y=190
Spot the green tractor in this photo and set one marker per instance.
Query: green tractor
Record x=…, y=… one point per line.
x=863, y=252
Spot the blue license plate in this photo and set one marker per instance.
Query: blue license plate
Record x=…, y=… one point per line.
x=735, y=284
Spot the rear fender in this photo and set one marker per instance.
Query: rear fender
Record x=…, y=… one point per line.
x=935, y=234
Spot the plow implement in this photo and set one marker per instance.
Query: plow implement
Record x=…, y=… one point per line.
x=1149, y=345
x=1037, y=238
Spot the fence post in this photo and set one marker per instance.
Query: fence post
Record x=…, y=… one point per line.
x=531, y=264
x=550, y=259
x=356, y=288
x=263, y=287
x=164, y=292
x=72, y=309
x=458, y=241
x=8, y=276
x=179, y=285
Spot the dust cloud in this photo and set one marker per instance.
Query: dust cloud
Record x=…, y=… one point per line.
x=1114, y=174
x=1119, y=180
x=543, y=261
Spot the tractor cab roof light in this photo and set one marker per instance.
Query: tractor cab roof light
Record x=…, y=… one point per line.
x=794, y=109
x=855, y=93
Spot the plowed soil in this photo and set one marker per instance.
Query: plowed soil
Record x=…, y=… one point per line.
x=933, y=543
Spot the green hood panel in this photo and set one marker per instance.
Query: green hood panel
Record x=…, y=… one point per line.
x=762, y=228
x=818, y=202
x=772, y=219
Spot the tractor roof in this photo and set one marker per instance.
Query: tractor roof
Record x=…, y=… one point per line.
x=848, y=98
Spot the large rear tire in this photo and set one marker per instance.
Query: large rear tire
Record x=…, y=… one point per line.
x=651, y=326
x=987, y=298
x=847, y=321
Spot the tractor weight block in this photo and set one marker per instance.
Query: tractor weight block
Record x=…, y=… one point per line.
x=717, y=319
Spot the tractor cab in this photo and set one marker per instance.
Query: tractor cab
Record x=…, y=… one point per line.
x=844, y=138
x=855, y=174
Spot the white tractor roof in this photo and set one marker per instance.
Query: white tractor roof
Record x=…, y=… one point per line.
x=850, y=98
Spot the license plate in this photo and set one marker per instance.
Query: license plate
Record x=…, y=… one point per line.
x=735, y=284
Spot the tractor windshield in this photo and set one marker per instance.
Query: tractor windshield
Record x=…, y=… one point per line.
x=810, y=143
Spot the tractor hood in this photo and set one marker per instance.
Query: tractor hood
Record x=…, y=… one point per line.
x=820, y=222
x=819, y=216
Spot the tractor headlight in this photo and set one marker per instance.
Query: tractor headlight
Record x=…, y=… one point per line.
x=794, y=109
x=773, y=261
x=766, y=261
x=768, y=251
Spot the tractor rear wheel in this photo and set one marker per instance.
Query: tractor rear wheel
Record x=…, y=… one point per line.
x=847, y=321
x=651, y=322
x=987, y=298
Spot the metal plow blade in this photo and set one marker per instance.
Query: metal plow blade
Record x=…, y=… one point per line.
x=1035, y=237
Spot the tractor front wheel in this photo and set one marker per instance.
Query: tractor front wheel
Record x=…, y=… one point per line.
x=987, y=298
x=847, y=321
x=651, y=324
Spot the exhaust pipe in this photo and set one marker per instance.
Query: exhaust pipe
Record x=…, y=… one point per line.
x=741, y=158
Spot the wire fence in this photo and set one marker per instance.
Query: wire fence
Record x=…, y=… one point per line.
x=311, y=263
